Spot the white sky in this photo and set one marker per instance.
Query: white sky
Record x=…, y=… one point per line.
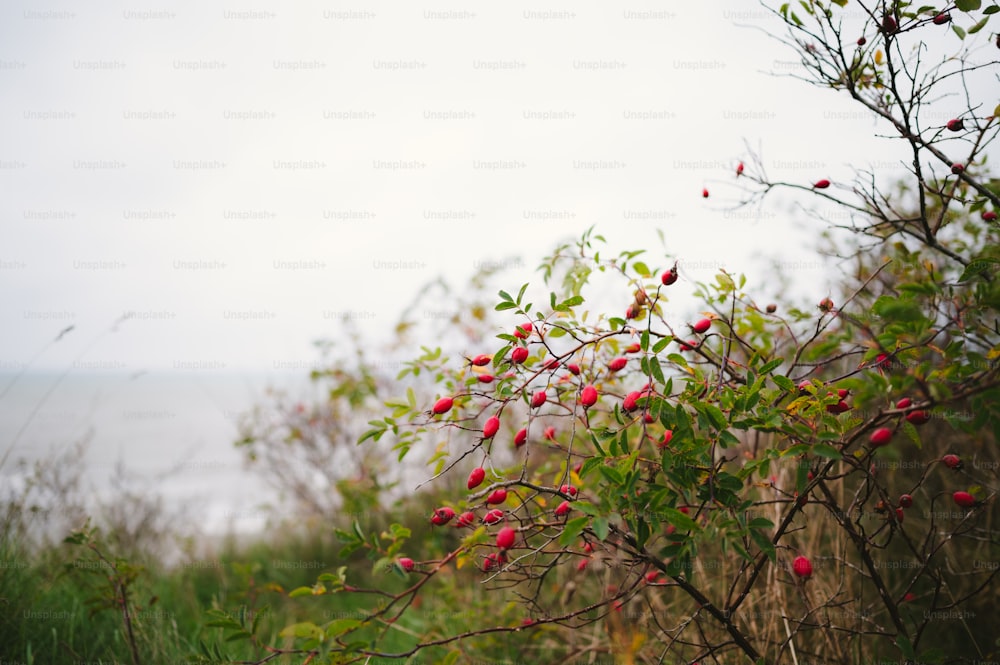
x=102, y=214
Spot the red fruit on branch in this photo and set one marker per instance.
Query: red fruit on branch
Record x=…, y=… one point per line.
x=702, y=325
x=669, y=277
x=406, y=563
x=826, y=305
x=889, y=25
x=862, y=41
x=497, y=496
x=574, y=369
x=465, y=519
x=665, y=439
x=442, y=516
x=821, y=184
x=491, y=562
x=523, y=330
x=617, y=364
x=549, y=433
x=964, y=499
x=629, y=403
x=491, y=427
x=582, y=565
x=989, y=216
x=804, y=385
x=563, y=508
x=689, y=345
x=633, y=348
x=918, y=417
x=538, y=399
x=955, y=125
x=520, y=437
x=588, y=396
x=568, y=490
x=839, y=407
x=899, y=515
x=505, y=539
x=739, y=169
x=485, y=378
x=905, y=501
x=632, y=312
x=957, y=168
x=880, y=437
x=842, y=393
x=952, y=461
x=551, y=364
x=443, y=405
x=704, y=193
x=481, y=360
x=903, y=403
x=942, y=18
x=802, y=567
x=519, y=355
x=493, y=517
x=476, y=478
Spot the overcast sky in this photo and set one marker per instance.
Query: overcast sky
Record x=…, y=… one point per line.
x=239, y=176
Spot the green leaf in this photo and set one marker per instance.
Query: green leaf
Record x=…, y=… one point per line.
x=504, y=306
x=338, y=627
x=905, y=647
x=992, y=9
x=968, y=6
x=679, y=519
x=613, y=475
x=506, y=296
x=957, y=30
x=770, y=366
x=827, y=451
x=303, y=629
x=661, y=344
x=761, y=523
x=979, y=26
x=301, y=591
x=764, y=543
x=783, y=382
x=601, y=528
x=977, y=266
x=572, y=530
x=641, y=268
x=520, y=294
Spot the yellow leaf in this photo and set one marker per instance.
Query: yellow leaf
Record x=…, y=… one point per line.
x=878, y=57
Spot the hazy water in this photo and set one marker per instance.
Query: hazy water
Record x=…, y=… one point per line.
x=175, y=430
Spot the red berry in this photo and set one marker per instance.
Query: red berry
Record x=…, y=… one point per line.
x=490, y=562
x=442, y=516
x=519, y=355
x=587, y=547
x=989, y=216
x=804, y=385
x=739, y=169
x=957, y=168
x=669, y=277
x=633, y=348
x=523, y=330
x=538, y=399
x=842, y=393
x=826, y=305
x=406, y=563
x=563, y=508
x=476, y=478
x=549, y=433
x=903, y=403
x=918, y=417
x=651, y=576
x=905, y=501
x=497, y=496
x=899, y=515
x=617, y=364
x=629, y=403
x=862, y=41
x=485, y=378
x=704, y=193
x=880, y=437
x=520, y=437
x=588, y=396
x=802, y=567
x=665, y=441
x=649, y=418
x=491, y=427
x=941, y=19
x=955, y=124
x=689, y=345
x=821, y=184
x=702, y=325
x=493, y=516
x=466, y=519
x=839, y=407
x=909, y=598
x=574, y=369
x=505, y=539
x=889, y=24
x=632, y=312
x=551, y=363
x=569, y=490
x=964, y=499
x=481, y=360
x=952, y=461
x=443, y=405
x=582, y=565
